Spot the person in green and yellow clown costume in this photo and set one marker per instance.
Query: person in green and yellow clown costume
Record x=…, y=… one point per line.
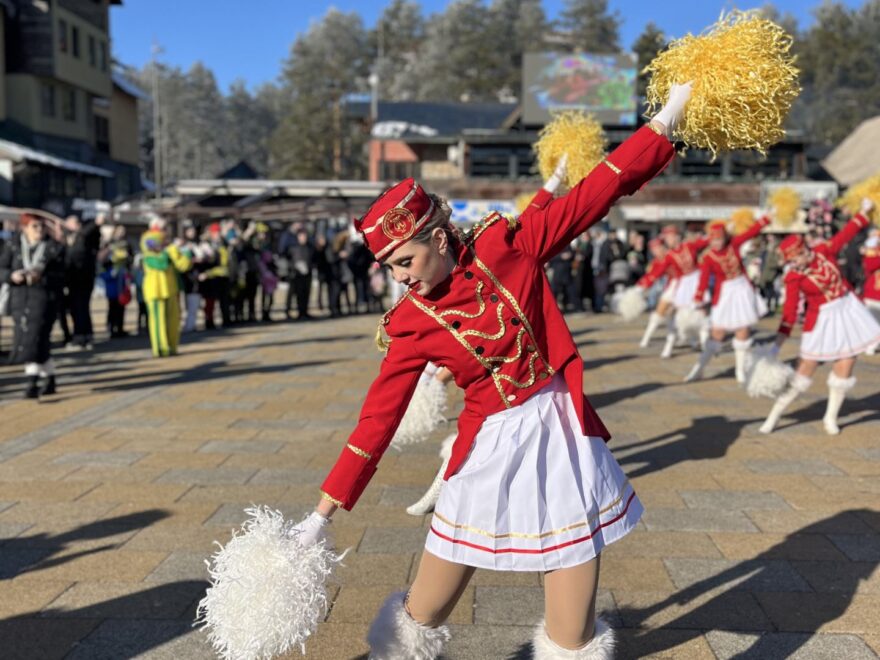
x=162, y=265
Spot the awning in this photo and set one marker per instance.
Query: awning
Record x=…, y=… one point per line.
x=18, y=153
x=857, y=157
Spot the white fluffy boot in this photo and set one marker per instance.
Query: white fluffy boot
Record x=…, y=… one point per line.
x=395, y=635
x=709, y=351
x=671, y=336
x=837, y=389
x=654, y=322
x=799, y=384
x=740, y=353
x=601, y=647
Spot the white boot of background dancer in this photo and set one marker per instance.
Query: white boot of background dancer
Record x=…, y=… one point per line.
x=837, y=389
x=741, y=353
x=799, y=384
x=671, y=336
x=712, y=348
x=654, y=321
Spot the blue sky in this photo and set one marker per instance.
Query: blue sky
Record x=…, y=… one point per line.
x=249, y=40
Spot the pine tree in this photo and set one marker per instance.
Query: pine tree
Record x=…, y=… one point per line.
x=592, y=27
x=649, y=43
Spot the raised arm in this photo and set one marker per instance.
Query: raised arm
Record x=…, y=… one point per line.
x=384, y=407
x=850, y=231
x=545, y=232
x=750, y=233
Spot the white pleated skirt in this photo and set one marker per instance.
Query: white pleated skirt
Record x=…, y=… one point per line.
x=738, y=306
x=686, y=290
x=668, y=293
x=844, y=328
x=534, y=493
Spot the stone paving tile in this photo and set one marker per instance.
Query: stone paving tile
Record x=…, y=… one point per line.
x=100, y=458
x=126, y=600
x=288, y=476
x=29, y=594
x=118, y=638
x=635, y=644
x=393, y=539
x=240, y=447
x=788, y=645
x=858, y=547
x=752, y=575
x=489, y=641
x=44, y=491
x=734, y=610
x=786, y=522
x=734, y=545
x=180, y=566
x=519, y=606
x=227, y=405
x=793, y=466
x=697, y=520
x=206, y=477
x=46, y=639
x=809, y=612
x=732, y=500
x=844, y=577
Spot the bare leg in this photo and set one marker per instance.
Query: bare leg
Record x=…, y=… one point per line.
x=570, y=604
x=436, y=590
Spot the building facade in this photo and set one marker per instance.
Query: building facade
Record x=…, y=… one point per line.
x=68, y=120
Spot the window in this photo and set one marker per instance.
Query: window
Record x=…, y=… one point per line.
x=68, y=104
x=103, y=56
x=74, y=41
x=93, y=51
x=62, y=35
x=102, y=134
x=47, y=99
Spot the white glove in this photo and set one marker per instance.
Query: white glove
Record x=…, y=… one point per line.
x=558, y=175
x=310, y=531
x=867, y=205
x=670, y=114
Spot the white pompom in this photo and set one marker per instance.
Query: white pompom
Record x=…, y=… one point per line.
x=268, y=593
x=425, y=414
x=766, y=375
x=631, y=303
x=689, y=321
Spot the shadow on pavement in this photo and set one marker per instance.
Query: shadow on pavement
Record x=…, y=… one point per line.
x=740, y=598
x=29, y=554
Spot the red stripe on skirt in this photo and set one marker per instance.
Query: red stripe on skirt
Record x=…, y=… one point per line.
x=541, y=551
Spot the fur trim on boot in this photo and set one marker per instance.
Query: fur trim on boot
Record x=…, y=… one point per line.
x=601, y=647
x=395, y=635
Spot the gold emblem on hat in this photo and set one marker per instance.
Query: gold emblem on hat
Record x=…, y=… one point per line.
x=399, y=224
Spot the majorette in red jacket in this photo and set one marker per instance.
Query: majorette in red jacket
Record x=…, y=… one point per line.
x=820, y=281
x=725, y=264
x=871, y=266
x=494, y=322
x=681, y=261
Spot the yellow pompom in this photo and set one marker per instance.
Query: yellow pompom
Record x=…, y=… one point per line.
x=574, y=133
x=785, y=202
x=744, y=80
x=742, y=219
x=852, y=199
x=522, y=201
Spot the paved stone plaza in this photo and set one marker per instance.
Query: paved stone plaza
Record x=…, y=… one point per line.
x=113, y=492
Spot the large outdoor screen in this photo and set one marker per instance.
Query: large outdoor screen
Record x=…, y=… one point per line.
x=602, y=84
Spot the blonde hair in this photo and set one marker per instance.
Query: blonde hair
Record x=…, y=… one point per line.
x=439, y=220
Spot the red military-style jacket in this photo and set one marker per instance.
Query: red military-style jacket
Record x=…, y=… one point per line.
x=725, y=264
x=681, y=261
x=494, y=321
x=871, y=266
x=820, y=281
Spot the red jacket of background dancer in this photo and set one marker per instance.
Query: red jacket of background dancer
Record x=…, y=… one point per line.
x=494, y=322
x=681, y=261
x=871, y=266
x=725, y=264
x=821, y=281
